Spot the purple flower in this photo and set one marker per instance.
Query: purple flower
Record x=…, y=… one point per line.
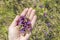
x=45, y=14
x=30, y=29
x=21, y=22
x=28, y=23
x=41, y=6
x=48, y=24
x=22, y=30
x=25, y=25
x=22, y=18
x=25, y=22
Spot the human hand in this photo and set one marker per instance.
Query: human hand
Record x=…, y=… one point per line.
x=14, y=33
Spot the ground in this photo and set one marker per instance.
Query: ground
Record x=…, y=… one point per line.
x=48, y=17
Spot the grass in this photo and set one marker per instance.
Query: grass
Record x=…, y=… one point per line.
x=48, y=17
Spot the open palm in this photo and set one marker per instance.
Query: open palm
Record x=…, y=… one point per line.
x=14, y=33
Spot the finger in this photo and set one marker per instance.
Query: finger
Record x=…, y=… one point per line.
x=14, y=23
x=13, y=32
x=32, y=14
x=29, y=11
x=24, y=12
x=33, y=20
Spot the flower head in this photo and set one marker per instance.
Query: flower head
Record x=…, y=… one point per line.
x=26, y=24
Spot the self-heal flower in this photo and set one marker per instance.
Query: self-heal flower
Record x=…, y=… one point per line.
x=22, y=30
x=26, y=24
x=48, y=24
x=45, y=14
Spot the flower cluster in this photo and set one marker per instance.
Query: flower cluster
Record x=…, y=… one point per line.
x=25, y=23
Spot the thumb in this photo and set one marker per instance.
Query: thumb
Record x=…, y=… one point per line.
x=14, y=23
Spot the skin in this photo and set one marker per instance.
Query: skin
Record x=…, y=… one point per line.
x=14, y=33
